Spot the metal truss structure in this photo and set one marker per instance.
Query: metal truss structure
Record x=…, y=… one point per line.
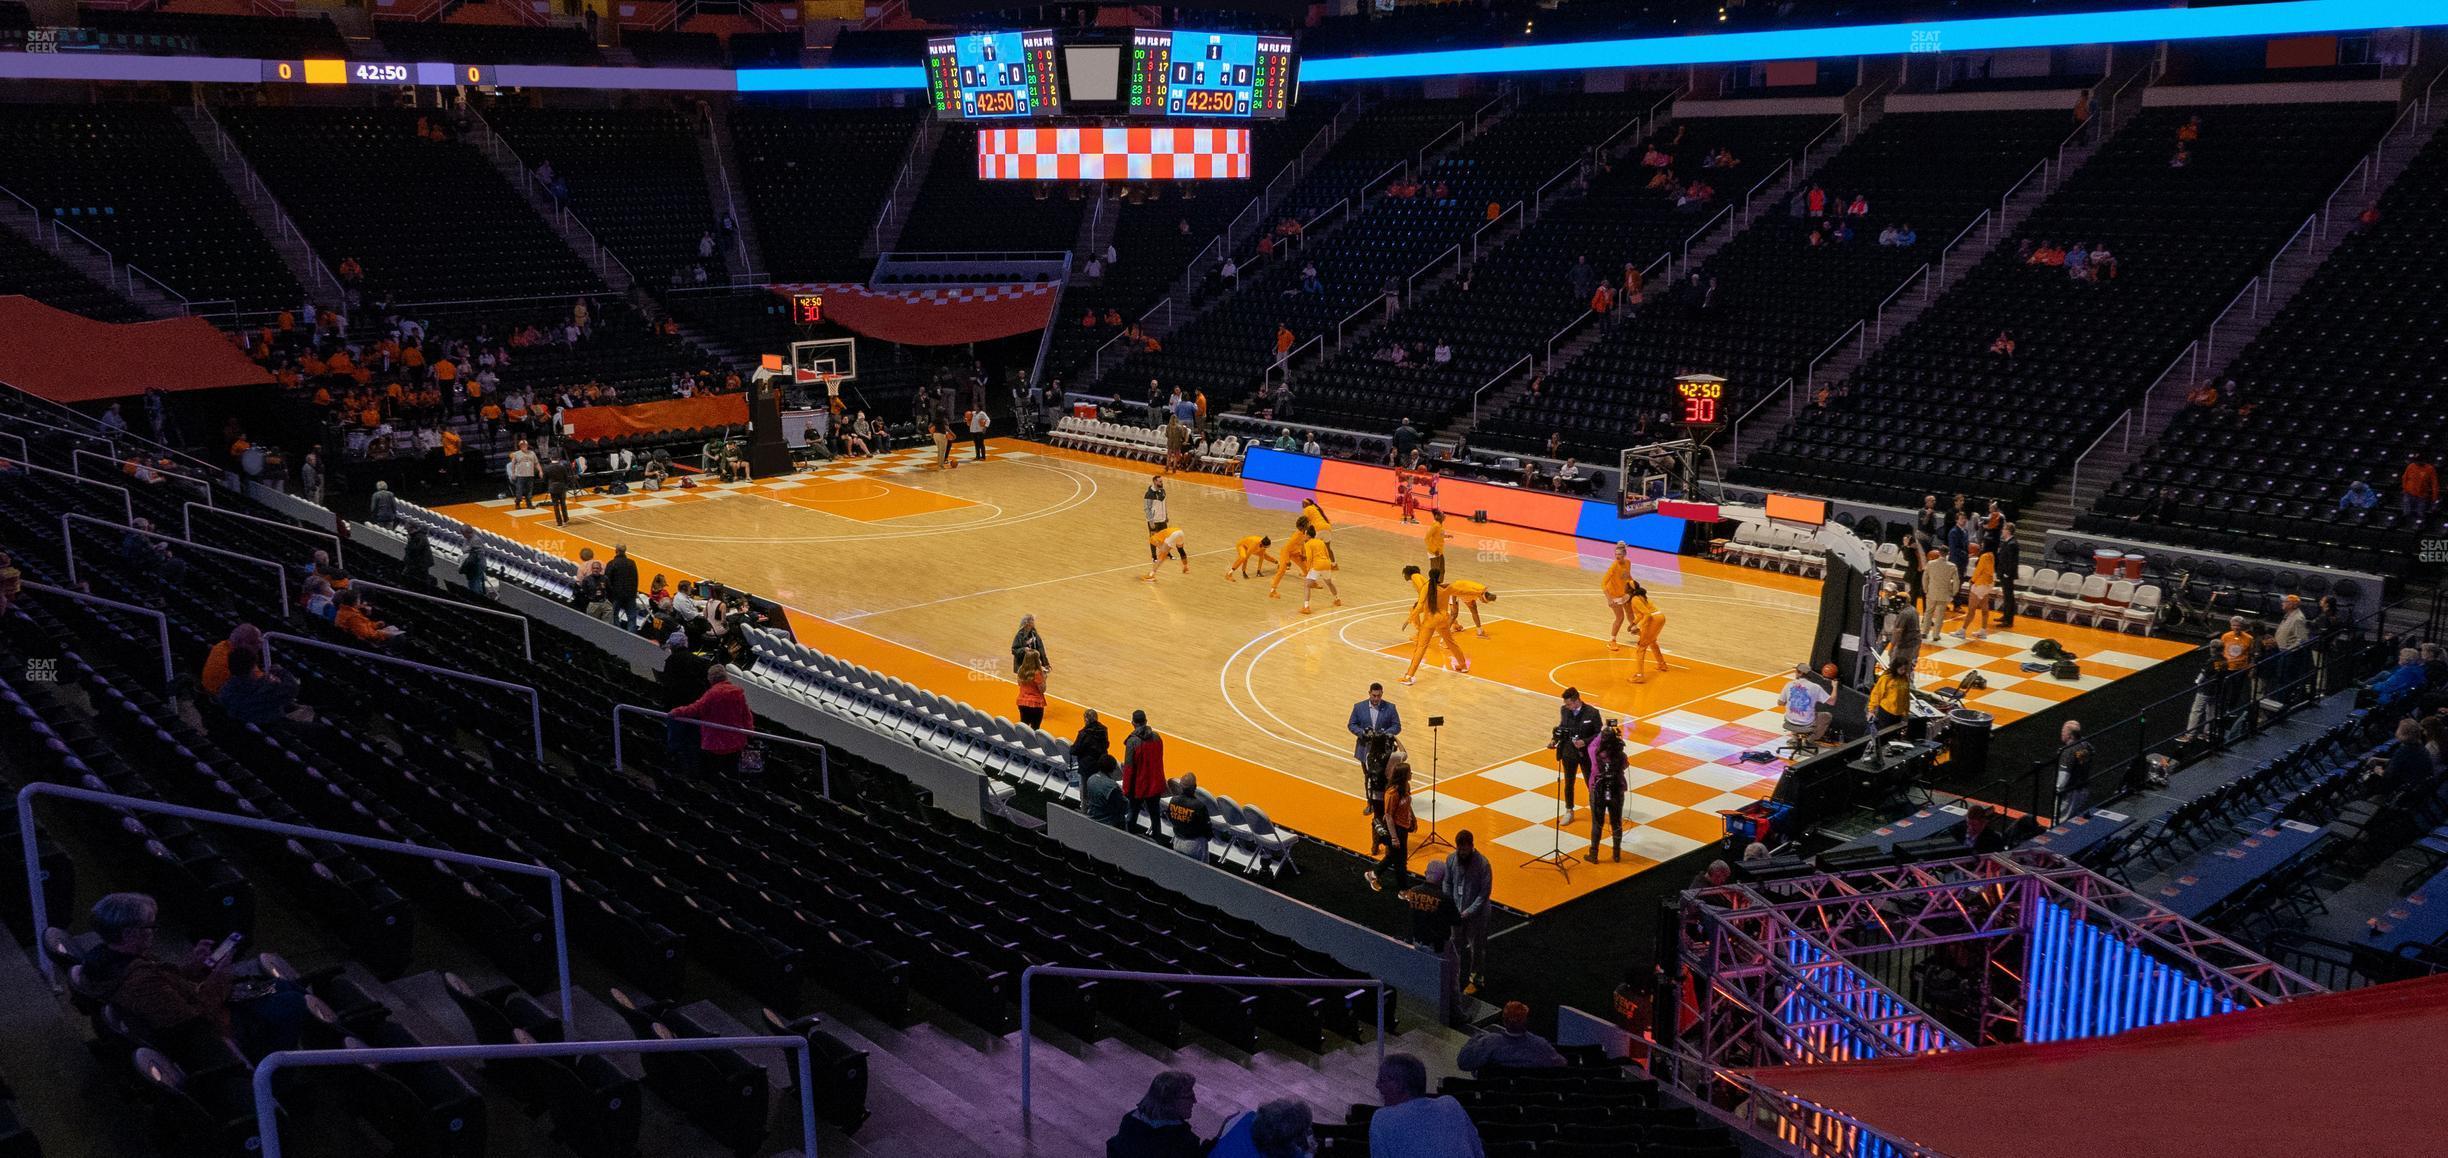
x=1809, y=970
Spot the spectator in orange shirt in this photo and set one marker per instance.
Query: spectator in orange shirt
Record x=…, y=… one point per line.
x=446, y=372
x=2421, y=487
x=351, y=619
x=1283, y=339
x=244, y=637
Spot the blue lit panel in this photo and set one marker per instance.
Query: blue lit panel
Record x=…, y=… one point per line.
x=2082, y=982
x=2294, y=18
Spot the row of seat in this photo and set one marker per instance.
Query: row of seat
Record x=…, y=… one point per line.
x=1143, y=443
x=1774, y=547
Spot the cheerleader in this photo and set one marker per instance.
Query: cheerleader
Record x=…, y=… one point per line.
x=1404, y=500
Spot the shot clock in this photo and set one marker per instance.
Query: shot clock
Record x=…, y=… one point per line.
x=807, y=309
x=1703, y=396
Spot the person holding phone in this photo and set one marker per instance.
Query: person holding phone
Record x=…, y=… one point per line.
x=210, y=991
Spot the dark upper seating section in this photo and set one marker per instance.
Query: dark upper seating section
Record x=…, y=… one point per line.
x=1936, y=410
x=26, y=268
x=1227, y=350
x=429, y=220
x=1155, y=248
x=635, y=179
x=815, y=181
x=2341, y=387
x=959, y=211
x=486, y=43
x=134, y=180
x=1523, y=293
x=1780, y=300
x=268, y=37
x=675, y=49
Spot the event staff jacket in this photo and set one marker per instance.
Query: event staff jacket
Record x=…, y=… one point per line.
x=1192, y=818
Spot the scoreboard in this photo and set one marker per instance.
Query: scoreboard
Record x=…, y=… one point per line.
x=1210, y=74
x=993, y=75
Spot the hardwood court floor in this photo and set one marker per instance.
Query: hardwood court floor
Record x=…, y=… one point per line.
x=925, y=574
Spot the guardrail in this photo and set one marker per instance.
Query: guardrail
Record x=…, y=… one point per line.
x=1501, y=375
x=1375, y=186
x=1514, y=211
x=1033, y=972
x=1459, y=129
x=111, y=441
x=1947, y=255
x=2123, y=426
x=76, y=462
x=1811, y=1129
x=1878, y=317
x=187, y=527
x=1411, y=283
x=2005, y=199
x=161, y=622
x=535, y=702
x=526, y=632
x=127, y=504
x=1811, y=374
x=1505, y=96
x=2427, y=91
x=824, y=759
x=267, y=1107
x=323, y=276
x=42, y=917
x=1710, y=224
x=1347, y=319
x=70, y=431
x=1783, y=390
x=1285, y=363
x=31, y=211
x=68, y=544
x=1566, y=328
x=1785, y=167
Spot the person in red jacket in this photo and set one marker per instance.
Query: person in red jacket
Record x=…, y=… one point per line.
x=723, y=703
x=1143, y=776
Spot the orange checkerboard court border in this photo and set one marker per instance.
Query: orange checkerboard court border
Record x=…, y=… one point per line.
x=1696, y=741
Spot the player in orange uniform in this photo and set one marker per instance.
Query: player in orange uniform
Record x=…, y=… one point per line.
x=1165, y=541
x=1617, y=586
x=1319, y=562
x=1320, y=528
x=1466, y=593
x=1251, y=549
x=1436, y=625
x=1436, y=545
x=1648, y=623
x=1296, y=553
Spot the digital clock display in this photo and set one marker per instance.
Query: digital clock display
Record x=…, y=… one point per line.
x=807, y=309
x=372, y=73
x=1209, y=74
x=1702, y=399
x=992, y=75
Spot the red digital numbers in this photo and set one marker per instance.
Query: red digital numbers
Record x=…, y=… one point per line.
x=807, y=309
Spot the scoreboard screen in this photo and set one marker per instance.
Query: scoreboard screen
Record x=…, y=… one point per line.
x=993, y=75
x=1210, y=74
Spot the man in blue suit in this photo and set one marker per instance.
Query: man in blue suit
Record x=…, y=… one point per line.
x=1373, y=714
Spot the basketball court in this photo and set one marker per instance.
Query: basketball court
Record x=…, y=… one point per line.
x=924, y=574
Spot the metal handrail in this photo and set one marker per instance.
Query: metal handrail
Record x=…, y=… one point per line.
x=161, y=623
x=187, y=527
x=1566, y=328
x=127, y=503
x=1373, y=303
x=1030, y=974
x=1285, y=363
x=2427, y=90
x=42, y=917
x=76, y=462
x=1411, y=283
x=1705, y=226
x=1811, y=373
x=2209, y=338
x=1538, y=197
x=186, y=305
x=1460, y=128
x=2039, y=170
x=1501, y=375
x=1805, y=151
x=23, y=451
x=58, y=227
x=1343, y=207
x=1783, y=389
x=1369, y=187
x=1947, y=254
x=824, y=758
x=1506, y=94
x=31, y=209
x=535, y=702
x=1791, y=1111
x=80, y=416
x=1784, y=166
x=1513, y=210
x=1878, y=317
x=267, y=1107
x=68, y=545
x=526, y=632
x=70, y=431
x=2124, y=422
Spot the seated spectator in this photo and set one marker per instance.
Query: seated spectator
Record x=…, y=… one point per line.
x=2407, y=678
x=1191, y=817
x=254, y=694
x=244, y=637
x=1859, y=208
x=2003, y=345
x=1279, y=1129
x=202, y=993
x=1414, y=1125
x=349, y=617
x=1906, y=238
x=2359, y=496
x=1443, y=354
x=1101, y=797
x=1311, y=447
x=1160, y=1126
x=2407, y=766
x=1511, y=1045
x=320, y=599
x=1887, y=236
